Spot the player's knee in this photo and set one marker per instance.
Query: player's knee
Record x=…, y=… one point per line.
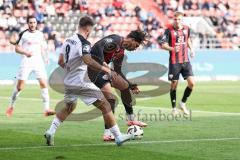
x=19, y=88
x=174, y=86
x=43, y=84
x=191, y=84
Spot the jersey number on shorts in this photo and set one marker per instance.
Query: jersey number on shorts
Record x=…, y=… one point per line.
x=67, y=50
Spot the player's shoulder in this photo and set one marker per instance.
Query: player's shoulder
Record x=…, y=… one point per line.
x=114, y=37
x=83, y=40
x=77, y=39
x=20, y=36
x=39, y=32
x=168, y=28
x=23, y=32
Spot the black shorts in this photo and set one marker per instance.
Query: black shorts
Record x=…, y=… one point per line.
x=179, y=68
x=99, y=80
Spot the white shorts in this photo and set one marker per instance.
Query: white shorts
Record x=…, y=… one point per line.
x=24, y=73
x=89, y=93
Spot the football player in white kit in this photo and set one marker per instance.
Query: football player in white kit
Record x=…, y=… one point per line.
x=74, y=58
x=31, y=45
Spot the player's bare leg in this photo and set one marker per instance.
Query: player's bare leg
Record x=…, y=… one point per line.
x=122, y=85
x=191, y=82
x=127, y=102
x=60, y=117
x=108, y=117
x=187, y=93
x=45, y=97
x=107, y=92
x=17, y=90
x=110, y=121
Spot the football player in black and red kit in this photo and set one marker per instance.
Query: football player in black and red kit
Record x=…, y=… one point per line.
x=111, y=49
x=176, y=40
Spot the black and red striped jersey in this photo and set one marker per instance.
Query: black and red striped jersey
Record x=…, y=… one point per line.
x=108, y=49
x=179, y=37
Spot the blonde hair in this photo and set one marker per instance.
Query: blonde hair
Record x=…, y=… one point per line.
x=176, y=14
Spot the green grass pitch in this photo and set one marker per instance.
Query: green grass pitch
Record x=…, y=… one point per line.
x=212, y=132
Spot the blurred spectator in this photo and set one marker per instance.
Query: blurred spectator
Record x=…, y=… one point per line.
x=117, y=16
x=39, y=15
x=109, y=10
x=47, y=29
x=57, y=41
x=12, y=24
x=50, y=9
x=3, y=21
x=117, y=4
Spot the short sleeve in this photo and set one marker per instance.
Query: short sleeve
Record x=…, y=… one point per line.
x=19, y=41
x=111, y=43
x=165, y=37
x=20, y=37
x=86, y=48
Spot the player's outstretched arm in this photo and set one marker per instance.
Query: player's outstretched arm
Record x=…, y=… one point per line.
x=117, y=64
x=95, y=65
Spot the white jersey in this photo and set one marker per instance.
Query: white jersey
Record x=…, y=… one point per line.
x=73, y=49
x=34, y=43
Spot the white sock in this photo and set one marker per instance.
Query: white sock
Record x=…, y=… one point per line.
x=182, y=103
x=55, y=124
x=115, y=131
x=45, y=98
x=107, y=132
x=130, y=117
x=14, y=97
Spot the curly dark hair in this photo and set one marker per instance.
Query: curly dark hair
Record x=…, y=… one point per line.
x=138, y=35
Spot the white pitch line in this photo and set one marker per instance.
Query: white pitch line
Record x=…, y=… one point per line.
x=137, y=106
x=128, y=143
x=31, y=99
x=194, y=111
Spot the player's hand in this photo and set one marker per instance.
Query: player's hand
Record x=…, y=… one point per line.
x=134, y=88
x=192, y=54
x=177, y=48
x=108, y=69
x=112, y=75
x=105, y=64
x=28, y=54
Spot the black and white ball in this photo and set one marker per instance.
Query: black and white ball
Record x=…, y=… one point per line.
x=136, y=131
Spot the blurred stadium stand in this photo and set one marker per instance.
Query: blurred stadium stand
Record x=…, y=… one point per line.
x=58, y=19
